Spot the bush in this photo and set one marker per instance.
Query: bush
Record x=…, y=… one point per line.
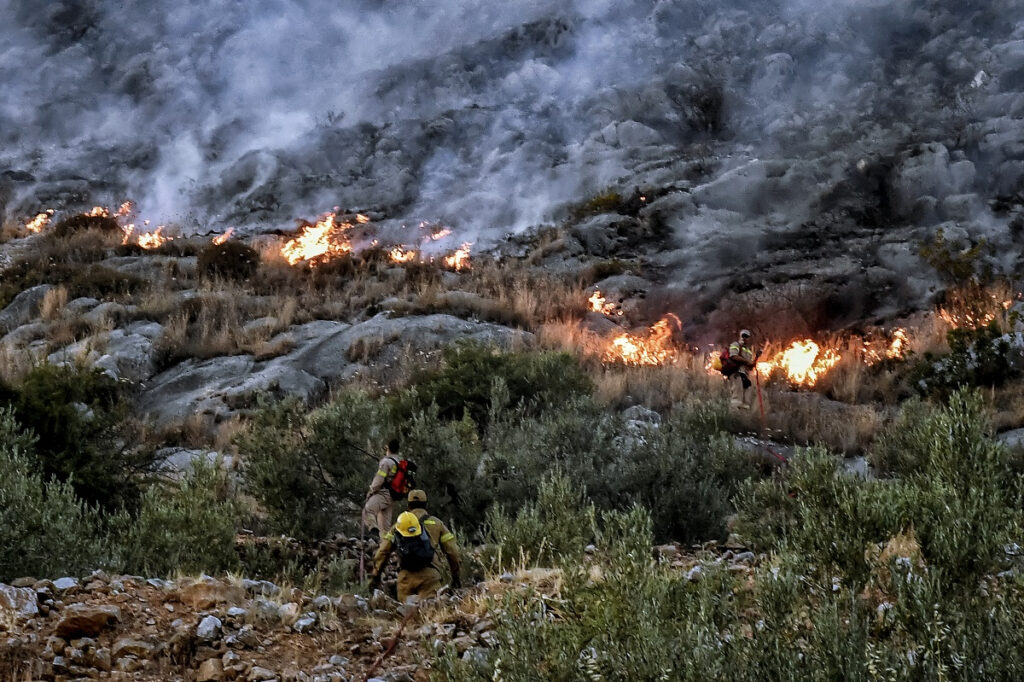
x=463, y=386
x=977, y=358
x=555, y=528
x=83, y=222
x=81, y=420
x=959, y=492
x=311, y=471
x=188, y=527
x=230, y=260
x=45, y=530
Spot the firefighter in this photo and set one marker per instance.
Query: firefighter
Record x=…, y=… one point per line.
x=418, y=538
x=740, y=362
x=380, y=502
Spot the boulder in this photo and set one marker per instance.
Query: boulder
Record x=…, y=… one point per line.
x=209, y=628
x=131, y=647
x=17, y=602
x=211, y=670
x=83, y=619
x=207, y=592
x=23, y=308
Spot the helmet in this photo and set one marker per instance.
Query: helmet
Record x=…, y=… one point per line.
x=745, y=334
x=408, y=525
x=417, y=495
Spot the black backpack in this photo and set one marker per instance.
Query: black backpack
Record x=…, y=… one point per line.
x=415, y=553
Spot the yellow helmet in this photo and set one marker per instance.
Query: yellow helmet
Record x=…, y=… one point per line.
x=408, y=525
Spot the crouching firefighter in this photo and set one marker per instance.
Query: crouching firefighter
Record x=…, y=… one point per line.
x=418, y=538
x=393, y=480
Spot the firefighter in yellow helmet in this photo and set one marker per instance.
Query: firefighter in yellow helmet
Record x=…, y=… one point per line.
x=418, y=538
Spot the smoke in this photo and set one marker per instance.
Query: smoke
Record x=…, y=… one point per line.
x=489, y=116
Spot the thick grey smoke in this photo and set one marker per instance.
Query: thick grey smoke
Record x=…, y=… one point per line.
x=491, y=116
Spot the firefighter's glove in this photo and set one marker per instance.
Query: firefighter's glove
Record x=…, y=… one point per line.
x=375, y=582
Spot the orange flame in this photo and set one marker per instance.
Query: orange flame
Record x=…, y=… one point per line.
x=804, y=362
x=220, y=239
x=459, y=260
x=99, y=212
x=153, y=240
x=319, y=242
x=361, y=219
x=39, y=223
x=599, y=304
x=400, y=255
x=440, y=234
x=124, y=209
x=655, y=349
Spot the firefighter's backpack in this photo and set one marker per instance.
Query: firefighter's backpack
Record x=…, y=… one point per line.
x=402, y=482
x=415, y=553
x=722, y=362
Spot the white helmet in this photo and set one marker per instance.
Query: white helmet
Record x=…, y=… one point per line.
x=745, y=334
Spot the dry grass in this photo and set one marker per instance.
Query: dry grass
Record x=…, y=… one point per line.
x=53, y=303
x=658, y=388
x=804, y=418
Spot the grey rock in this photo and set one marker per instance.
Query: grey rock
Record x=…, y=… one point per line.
x=304, y=624
x=19, y=602
x=237, y=612
x=322, y=603
x=176, y=463
x=65, y=584
x=23, y=308
x=639, y=413
x=209, y=628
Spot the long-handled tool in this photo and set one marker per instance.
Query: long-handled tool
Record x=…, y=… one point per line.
x=760, y=400
x=362, y=550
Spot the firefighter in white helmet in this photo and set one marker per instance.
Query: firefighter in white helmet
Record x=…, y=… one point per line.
x=736, y=368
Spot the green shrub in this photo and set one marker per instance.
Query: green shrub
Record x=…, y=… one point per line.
x=80, y=418
x=554, y=528
x=230, y=260
x=977, y=357
x=463, y=386
x=958, y=491
x=45, y=530
x=310, y=471
x=188, y=527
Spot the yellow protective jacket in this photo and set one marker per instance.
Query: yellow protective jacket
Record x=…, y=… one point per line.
x=740, y=352
x=440, y=537
x=386, y=469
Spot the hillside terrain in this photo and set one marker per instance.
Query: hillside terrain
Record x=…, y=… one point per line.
x=244, y=249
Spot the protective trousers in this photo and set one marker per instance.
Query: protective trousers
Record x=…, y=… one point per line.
x=377, y=512
x=424, y=584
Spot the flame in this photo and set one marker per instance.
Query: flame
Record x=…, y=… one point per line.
x=220, y=239
x=362, y=219
x=124, y=209
x=599, y=304
x=99, y=212
x=39, y=223
x=440, y=234
x=804, y=362
x=319, y=242
x=655, y=349
x=400, y=255
x=459, y=260
x=153, y=240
